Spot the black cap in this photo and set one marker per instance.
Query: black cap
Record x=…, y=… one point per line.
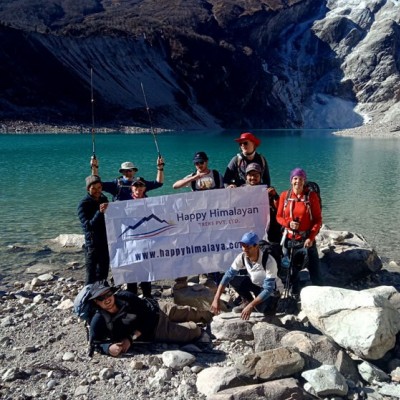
x=200, y=157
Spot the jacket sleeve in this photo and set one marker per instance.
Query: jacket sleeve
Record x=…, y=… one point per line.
x=279, y=215
x=110, y=187
x=151, y=185
x=89, y=220
x=316, y=215
x=266, y=178
x=230, y=172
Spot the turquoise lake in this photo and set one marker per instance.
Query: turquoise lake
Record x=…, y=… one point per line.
x=42, y=178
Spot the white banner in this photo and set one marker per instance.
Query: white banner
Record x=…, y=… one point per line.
x=166, y=237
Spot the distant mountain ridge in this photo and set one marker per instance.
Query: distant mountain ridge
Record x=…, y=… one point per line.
x=204, y=64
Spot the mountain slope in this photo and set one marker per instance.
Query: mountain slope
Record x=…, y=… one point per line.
x=203, y=64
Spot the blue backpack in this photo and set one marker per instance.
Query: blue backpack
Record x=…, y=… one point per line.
x=83, y=307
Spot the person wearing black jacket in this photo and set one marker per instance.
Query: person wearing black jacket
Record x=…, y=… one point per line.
x=235, y=173
x=123, y=317
x=91, y=211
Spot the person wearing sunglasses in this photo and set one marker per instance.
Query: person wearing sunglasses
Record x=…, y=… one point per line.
x=122, y=317
x=203, y=178
x=254, y=276
x=235, y=173
x=120, y=188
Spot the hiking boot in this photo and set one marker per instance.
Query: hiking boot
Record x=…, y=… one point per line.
x=240, y=308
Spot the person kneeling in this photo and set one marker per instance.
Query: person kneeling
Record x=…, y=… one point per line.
x=123, y=317
x=254, y=277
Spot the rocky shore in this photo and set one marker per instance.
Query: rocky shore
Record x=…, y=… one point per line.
x=28, y=127
x=376, y=130
x=44, y=347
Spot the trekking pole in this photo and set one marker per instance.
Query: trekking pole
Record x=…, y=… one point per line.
x=92, y=103
x=150, y=120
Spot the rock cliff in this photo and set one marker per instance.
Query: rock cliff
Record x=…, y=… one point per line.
x=203, y=64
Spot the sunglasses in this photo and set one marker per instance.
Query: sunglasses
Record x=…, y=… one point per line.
x=244, y=143
x=105, y=296
x=199, y=162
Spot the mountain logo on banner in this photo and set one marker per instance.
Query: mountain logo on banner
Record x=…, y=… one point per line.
x=145, y=228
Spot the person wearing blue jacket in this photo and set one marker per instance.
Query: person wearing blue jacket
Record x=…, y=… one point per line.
x=120, y=188
x=91, y=211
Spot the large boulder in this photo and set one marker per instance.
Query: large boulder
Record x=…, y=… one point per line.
x=364, y=322
x=345, y=257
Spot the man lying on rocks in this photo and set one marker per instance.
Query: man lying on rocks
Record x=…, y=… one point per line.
x=122, y=317
x=254, y=276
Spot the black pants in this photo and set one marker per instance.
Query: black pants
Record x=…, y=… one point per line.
x=247, y=290
x=145, y=286
x=97, y=263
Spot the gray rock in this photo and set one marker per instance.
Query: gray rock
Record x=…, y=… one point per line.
x=281, y=389
x=106, y=374
x=336, y=312
x=177, y=359
x=326, y=381
x=270, y=364
x=371, y=373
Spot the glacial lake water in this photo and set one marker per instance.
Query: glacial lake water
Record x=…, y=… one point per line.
x=42, y=179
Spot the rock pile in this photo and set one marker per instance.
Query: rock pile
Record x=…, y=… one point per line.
x=43, y=351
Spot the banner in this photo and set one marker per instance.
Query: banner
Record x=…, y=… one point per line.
x=166, y=237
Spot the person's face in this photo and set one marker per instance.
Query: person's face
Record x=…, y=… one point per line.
x=201, y=166
x=247, y=147
x=138, y=191
x=298, y=183
x=253, y=178
x=249, y=250
x=106, y=301
x=128, y=174
x=95, y=190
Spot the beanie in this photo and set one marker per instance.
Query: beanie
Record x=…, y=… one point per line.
x=298, y=172
x=91, y=179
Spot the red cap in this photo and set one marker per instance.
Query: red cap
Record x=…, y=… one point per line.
x=250, y=137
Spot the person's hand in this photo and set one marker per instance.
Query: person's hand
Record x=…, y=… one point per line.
x=103, y=207
x=94, y=162
x=160, y=162
x=247, y=312
x=116, y=349
x=294, y=225
x=308, y=243
x=215, y=308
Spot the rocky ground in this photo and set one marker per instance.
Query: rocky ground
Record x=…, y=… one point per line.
x=44, y=352
x=377, y=130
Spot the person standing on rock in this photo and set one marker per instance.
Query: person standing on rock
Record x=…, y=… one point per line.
x=123, y=317
x=91, y=211
x=254, y=276
x=235, y=173
x=120, y=188
x=299, y=213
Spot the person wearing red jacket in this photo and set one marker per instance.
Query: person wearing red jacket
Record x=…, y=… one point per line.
x=299, y=213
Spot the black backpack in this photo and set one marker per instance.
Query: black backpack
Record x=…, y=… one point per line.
x=273, y=249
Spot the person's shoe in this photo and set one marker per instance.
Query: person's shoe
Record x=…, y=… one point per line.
x=240, y=308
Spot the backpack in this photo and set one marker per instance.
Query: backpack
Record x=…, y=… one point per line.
x=239, y=162
x=83, y=307
x=273, y=249
x=217, y=181
x=310, y=187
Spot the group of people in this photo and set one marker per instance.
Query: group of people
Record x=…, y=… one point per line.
x=295, y=220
